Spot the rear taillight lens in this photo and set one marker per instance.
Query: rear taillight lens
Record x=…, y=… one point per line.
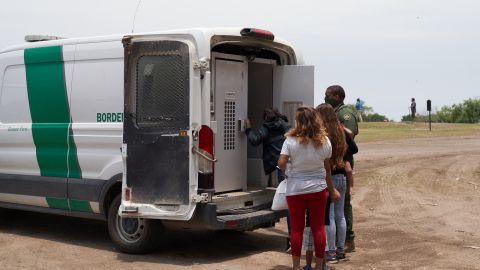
x=127, y=194
x=205, y=167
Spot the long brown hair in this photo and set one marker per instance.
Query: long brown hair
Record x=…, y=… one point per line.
x=336, y=134
x=309, y=127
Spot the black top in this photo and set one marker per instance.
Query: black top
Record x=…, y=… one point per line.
x=351, y=150
x=271, y=135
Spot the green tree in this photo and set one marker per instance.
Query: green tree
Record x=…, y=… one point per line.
x=374, y=117
x=368, y=115
x=466, y=112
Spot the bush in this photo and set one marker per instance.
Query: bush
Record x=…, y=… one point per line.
x=466, y=112
x=420, y=118
x=368, y=115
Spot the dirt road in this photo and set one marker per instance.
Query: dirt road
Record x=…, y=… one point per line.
x=417, y=206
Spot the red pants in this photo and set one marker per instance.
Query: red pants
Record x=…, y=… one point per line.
x=315, y=203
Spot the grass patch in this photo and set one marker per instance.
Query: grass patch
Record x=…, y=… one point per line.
x=381, y=131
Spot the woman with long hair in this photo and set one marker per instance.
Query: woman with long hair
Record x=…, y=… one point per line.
x=340, y=140
x=309, y=150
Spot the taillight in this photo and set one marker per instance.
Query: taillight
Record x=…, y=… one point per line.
x=205, y=167
x=127, y=194
x=257, y=33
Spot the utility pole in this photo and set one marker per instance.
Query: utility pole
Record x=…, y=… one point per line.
x=429, y=109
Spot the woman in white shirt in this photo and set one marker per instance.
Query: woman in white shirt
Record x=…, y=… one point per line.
x=308, y=148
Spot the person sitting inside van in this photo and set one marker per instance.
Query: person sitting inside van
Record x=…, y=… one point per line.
x=271, y=135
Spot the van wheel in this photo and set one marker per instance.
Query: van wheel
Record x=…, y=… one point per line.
x=132, y=235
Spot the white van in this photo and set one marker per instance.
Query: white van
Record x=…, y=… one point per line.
x=145, y=130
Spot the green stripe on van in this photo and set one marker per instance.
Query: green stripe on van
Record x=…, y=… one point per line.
x=78, y=205
x=58, y=203
x=49, y=109
x=65, y=204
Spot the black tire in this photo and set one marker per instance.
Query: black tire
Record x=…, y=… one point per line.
x=132, y=235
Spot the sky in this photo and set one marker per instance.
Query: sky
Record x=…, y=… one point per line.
x=382, y=51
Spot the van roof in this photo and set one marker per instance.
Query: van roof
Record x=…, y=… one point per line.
x=201, y=35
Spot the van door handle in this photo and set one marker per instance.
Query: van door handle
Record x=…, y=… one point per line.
x=196, y=151
x=241, y=125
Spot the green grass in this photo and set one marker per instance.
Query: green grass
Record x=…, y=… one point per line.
x=381, y=131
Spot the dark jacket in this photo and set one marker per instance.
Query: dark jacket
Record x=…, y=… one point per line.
x=271, y=135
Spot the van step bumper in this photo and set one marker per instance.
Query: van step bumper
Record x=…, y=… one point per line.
x=206, y=217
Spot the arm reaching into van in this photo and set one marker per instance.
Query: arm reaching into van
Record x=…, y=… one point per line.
x=257, y=137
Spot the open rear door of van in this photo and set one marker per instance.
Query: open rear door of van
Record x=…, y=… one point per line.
x=157, y=139
x=293, y=86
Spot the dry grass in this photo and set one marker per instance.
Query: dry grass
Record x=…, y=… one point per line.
x=370, y=132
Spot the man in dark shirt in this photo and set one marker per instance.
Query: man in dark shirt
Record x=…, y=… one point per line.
x=413, y=108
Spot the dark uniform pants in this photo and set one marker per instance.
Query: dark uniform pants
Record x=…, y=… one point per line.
x=349, y=212
x=349, y=216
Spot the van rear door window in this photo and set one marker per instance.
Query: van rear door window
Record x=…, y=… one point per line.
x=162, y=87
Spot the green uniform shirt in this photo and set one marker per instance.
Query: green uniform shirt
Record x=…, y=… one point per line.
x=347, y=117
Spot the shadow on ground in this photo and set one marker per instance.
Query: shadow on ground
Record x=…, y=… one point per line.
x=178, y=247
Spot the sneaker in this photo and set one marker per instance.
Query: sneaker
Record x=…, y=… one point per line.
x=288, y=249
x=350, y=246
x=340, y=254
x=307, y=267
x=331, y=256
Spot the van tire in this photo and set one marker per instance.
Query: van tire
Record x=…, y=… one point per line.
x=133, y=235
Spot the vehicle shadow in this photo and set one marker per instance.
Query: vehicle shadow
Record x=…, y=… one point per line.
x=178, y=247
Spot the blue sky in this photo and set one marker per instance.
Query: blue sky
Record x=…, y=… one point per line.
x=383, y=51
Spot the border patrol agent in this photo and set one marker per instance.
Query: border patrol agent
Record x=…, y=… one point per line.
x=335, y=95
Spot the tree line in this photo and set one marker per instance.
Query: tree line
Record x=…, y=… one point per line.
x=368, y=115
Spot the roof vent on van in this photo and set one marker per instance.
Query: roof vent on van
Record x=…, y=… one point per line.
x=36, y=38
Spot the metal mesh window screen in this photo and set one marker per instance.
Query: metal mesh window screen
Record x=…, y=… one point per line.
x=289, y=109
x=229, y=126
x=162, y=92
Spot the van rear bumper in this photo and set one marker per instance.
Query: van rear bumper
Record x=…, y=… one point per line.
x=206, y=216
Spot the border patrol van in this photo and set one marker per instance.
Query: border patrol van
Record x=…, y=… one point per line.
x=145, y=130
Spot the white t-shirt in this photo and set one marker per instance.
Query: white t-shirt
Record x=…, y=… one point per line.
x=306, y=173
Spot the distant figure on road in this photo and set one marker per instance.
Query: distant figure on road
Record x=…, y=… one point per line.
x=359, y=107
x=413, y=108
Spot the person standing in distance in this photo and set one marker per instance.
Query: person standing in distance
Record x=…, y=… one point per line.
x=413, y=108
x=359, y=107
x=335, y=95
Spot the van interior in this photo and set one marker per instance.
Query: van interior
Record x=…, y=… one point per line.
x=243, y=85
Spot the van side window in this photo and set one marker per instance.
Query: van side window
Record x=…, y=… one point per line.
x=162, y=91
x=14, y=106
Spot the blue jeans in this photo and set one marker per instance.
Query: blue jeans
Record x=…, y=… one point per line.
x=338, y=226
